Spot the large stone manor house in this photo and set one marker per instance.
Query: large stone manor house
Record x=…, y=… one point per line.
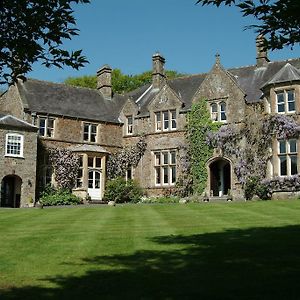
x=37, y=115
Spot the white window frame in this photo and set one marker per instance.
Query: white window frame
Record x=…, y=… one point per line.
x=129, y=125
x=166, y=120
x=89, y=132
x=288, y=155
x=48, y=131
x=20, y=143
x=286, y=101
x=79, y=178
x=216, y=116
x=165, y=164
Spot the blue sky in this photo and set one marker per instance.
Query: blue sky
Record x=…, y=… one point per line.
x=125, y=34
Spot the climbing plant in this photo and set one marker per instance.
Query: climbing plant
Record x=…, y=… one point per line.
x=199, y=125
x=65, y=164
x=250, y=146
x=128, y=157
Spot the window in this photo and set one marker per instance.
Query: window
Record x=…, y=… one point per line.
x=46, y=171
x=287, y=157
x=165, y=168
x=286, y=101
x=218, y=112
x=129, y=125
x=46, y=126
x=14, y=145
x=79, y=179
x=165, y=120
x=89, y=132
x=129, y=174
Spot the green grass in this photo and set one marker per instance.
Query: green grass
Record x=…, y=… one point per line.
x=196, y=251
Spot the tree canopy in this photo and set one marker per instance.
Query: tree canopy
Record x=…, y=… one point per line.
x=278, y=20
x=121, y=83
x=34, y=30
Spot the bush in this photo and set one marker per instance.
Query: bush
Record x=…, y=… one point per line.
x=53, y=197
x=120, y=191
x=254, y=186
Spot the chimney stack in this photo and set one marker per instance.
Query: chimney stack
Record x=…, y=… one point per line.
x=261, y=52
x=104, y=81
x=158, y=73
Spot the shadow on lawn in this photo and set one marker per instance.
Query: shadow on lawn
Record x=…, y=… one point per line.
x=259, y=263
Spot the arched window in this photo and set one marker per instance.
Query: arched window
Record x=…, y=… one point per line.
x=14, y=145
x=214, y=112
x=223, y=111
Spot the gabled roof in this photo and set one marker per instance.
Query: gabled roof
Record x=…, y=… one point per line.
x=250, y=79
x=11, y=121
x=287, y=73
x=63, y=100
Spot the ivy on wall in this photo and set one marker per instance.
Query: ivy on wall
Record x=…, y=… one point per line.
x=65, y=164
x=121, y=161
x=199, y=125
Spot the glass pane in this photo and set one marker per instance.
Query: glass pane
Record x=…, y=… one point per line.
x=223, y=116
x=214, y=108
x=293, y=146
x=280, y=98
x=91, y=162
x=282, y=147
x=91, y=179
x=98, y=162
x=80, y=173
x=291, y=106
x=129, y=174
x=93, y=137
x=173, y=171
x=294, y=169
x=223, y=107
x=42, y=127
x=97, y=180
x=283, y=165
x=86, y=128
x=291, y=96
x=157, y=159
x=158, y=117
x=173, y=157
x=80, y=161
x=93, y=128
x=166, y=175
x=280, y=108
x=165, y=158
x=166, y=119
x=129, y=120
x=157, y=176
x=50, y=123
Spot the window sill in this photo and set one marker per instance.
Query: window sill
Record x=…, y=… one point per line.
x=14, y=156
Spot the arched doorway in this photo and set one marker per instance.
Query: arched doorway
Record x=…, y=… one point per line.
x=220, y=177
x=11, y=191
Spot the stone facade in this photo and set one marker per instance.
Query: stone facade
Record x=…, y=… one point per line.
x=95, y=123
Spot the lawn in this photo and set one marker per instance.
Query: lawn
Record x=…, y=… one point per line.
x=196, y=251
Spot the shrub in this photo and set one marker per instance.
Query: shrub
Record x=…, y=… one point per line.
x=53, y=197
x=120, y=191
x=254, y=186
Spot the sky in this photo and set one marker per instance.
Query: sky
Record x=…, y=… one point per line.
x=126, y=33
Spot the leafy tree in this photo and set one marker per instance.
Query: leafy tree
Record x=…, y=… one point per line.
x=34, y=30
x=279, y=20
x=121, y=83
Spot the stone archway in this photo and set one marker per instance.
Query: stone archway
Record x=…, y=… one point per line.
x=220, y=177
x=11, y=191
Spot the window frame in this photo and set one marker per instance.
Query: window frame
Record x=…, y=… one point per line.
x=165, y=168
x=165, y=120
x=90, y=133
x=129, y=126
x=48, y=131
x=20, y=143
x=285, y=101
x=216, y=111
x=288, y=155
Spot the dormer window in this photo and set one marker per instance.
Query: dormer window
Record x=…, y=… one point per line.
x=285, y=101
x=165, y=120
x=218, y=112
x=129, y=125
x=14, y=145
x=89, y=132
x=46, y=126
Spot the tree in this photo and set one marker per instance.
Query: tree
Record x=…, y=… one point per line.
x=278, y=20
x=121, y=83
x=34, y=30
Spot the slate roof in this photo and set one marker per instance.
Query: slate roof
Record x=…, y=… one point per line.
x=63, y=100
x=287, y=73
x=11, y=121
x=250, y=79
